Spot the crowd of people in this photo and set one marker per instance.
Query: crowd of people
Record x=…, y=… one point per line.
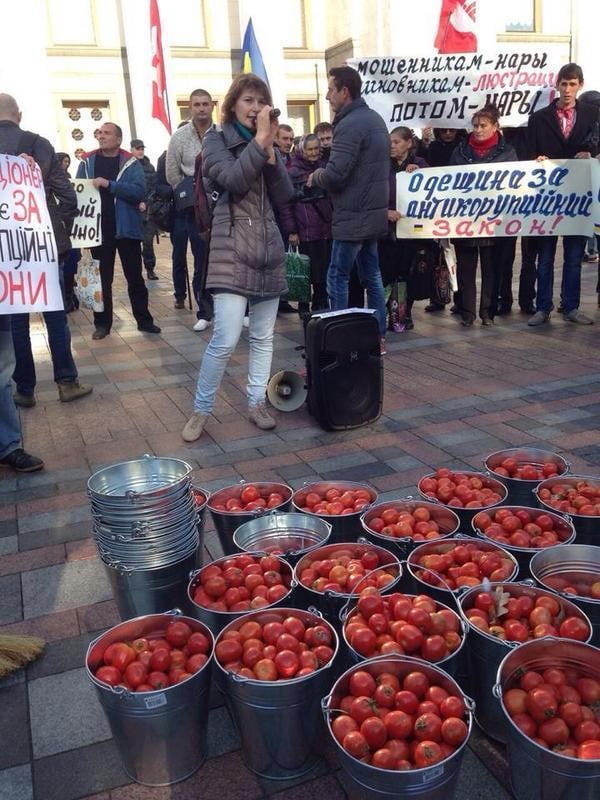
x=330, y=193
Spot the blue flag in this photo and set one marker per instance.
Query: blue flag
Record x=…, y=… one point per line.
x=252, y=60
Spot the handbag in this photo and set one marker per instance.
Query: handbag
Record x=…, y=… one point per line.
x=420, y=274
x=440, y=281
x=183, y=193
x=396, y=304
x=297, y=273
x=88, y=288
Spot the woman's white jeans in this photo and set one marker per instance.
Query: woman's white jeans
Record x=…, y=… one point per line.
x=228, y=321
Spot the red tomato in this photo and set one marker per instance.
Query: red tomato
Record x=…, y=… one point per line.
x=119, y=655
x=541, y=704
x=399, y=724
x=589, y=750
x=428, y=727
x=228, y=650
x=574, y=628
x=407, y=701
x=196, y=662
x=375, y=732
x=454, y=731
x=362, y=684
x=198, y=643
x=427, y=753
x=287, y=663
x=416, y=682
x=452, y=707
x=109, y=674
x=265, y=670
x=178, y=633
x=343, y=725
x=553, y=731
x=158, y=680
x=249, y=494
x=355, y=744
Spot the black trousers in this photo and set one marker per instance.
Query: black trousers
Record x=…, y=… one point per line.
x=504, y=257
x=319, y=252
x=466, y=263
x=130, y=254
x=530, y=247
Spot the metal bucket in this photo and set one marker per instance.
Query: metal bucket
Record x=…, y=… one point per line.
x=226, y=522
x=151, y=591
x=442, y=593
x=519, y=490
x=143, y=480
x=465, y=515
x=280, y=722
x=443, y=516
x=537, y=773
x=160, y=735
x=571, y=559
x=290, y=535
x=562, y=524
x=453, y=663
x=365, y=781
x=344, y=527
x=217, y=620
x=485, y=653
x=586, y=528
x=330, y=603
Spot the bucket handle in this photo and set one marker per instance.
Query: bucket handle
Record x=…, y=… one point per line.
x=296, y=553
x=497, y=691
x=354, y=595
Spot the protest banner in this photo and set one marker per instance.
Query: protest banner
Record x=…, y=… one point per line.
x=28, y=257
x=516, y=198
x=596, y=193
x=86, y=228
x=445, y=90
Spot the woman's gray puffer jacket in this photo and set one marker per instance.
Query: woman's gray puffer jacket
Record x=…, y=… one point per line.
x=246, y=250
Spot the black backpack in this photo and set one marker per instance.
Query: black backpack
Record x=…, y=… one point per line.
x=160, y=210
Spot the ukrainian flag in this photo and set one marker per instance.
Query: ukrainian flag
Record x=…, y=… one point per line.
x=252, y=60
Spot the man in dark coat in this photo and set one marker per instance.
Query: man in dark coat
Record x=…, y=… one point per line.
x=356, y=179
x=138, y=149
x=566, y=128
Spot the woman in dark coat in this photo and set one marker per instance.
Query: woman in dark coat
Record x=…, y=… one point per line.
x=396, y=256
x=484, y=145
x=307, y=220
x=246, y=257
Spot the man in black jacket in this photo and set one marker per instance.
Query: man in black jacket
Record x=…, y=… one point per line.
x=566, y=128
x=138, y=149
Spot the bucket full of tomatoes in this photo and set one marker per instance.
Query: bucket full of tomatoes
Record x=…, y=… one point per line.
x=233, y=505
x=441, y=568
x=523, y=531
x=328, y=576
x=505, y=616
x=466, y=493
x=548, y=693
x=401, y=525
x=288, y=535
x=273, y=667
x=152, y=678
x=579, y=497
x=399, y=624
x=520, y=469
x=238, y=584
x=573, y=571
x=416, y=750
x=340, y=503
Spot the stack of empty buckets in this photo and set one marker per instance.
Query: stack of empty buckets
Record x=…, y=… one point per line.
x=147, y=527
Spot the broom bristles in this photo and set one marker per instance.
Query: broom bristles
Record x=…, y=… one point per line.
x=16, y=651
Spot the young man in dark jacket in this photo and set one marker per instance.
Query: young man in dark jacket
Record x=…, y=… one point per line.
x=566, y=128
x=120, y=179
x=356, y=179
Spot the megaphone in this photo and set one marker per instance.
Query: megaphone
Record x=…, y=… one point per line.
x=286, y=391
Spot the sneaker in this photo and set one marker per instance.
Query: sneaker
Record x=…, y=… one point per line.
x=100, y=333
x=487, y=321
x=149, y=327
x=24, y=400
x=179, y=303
x=538, y=319
x=579, y=317
x=152, y=276
x=591, y=257
x=201, y=325
x=382, y=350
x=72, y=390
x=259, y=415
x=21, y=461
x=194, y=426
x=246, y=322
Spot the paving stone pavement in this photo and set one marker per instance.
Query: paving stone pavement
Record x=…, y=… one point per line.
x=451, y=396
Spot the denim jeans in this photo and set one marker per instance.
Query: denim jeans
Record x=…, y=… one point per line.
x=573, y=250
x=10, y=428
x=184, y=229
x=229, y=315
x=343, y=255
x=59, y=341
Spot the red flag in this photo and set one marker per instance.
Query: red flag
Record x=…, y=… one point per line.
x=456, y=28
x=160, y=108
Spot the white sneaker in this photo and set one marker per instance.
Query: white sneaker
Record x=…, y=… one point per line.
x=201, y=325
x=246, y=322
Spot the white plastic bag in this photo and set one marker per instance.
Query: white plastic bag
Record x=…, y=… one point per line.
x=89, y=286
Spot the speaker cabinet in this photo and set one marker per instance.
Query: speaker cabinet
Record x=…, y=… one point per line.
x=344, y=369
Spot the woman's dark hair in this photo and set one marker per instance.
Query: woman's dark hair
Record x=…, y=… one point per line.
x=61, y=157
x=348, y=77
x=243, y=83
x=489, y=111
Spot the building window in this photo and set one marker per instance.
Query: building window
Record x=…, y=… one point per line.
x=520, y=16
x=301, y=116
x=294, y=24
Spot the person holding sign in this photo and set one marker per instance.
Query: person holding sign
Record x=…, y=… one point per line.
x=564, y=129
x=483, y=146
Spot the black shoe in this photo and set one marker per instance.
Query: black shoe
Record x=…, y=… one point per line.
x=100, y=333
x=286, y=308
x=21, y=461
x=149, y=327
x=529, y=310
x=408, y=324
x=434, y=307
x=467, y=323
x=487, y=321
x=152, y=276
x=24, y=400
x=504, y=311
x=180, y=303
x=454, y=310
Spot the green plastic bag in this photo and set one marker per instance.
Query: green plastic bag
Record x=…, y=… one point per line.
x=297, y=272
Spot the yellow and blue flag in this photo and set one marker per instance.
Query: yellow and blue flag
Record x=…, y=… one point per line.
x=252, y=60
